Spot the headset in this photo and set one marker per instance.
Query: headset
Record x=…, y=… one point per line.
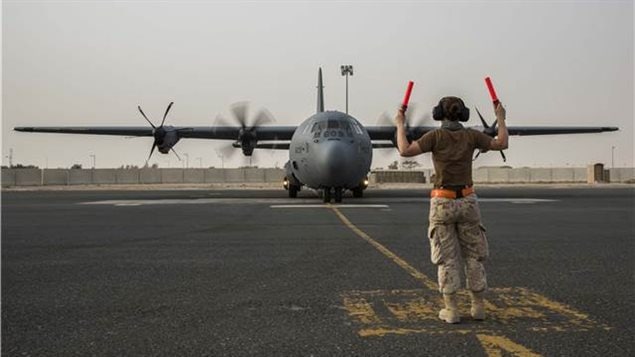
x=439, y=114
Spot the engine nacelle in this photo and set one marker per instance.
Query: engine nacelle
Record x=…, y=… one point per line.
x=167, y=141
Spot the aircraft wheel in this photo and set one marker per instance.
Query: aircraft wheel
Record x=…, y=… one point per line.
x=358, y=192
x=293, y=191
x=326, y=195
x=338, y=195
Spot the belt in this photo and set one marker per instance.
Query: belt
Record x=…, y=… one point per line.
x=452, y=193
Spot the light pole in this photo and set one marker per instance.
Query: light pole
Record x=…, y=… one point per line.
x=10, y=157
x=94, y=159
x=187, y=160
x=612, y=157
x=200, y=162
x=222, y=159
x=346, y=70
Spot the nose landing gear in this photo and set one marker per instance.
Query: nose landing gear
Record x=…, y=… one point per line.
x=329, y=193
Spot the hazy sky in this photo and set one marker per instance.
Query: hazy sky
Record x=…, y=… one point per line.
x=93, y=62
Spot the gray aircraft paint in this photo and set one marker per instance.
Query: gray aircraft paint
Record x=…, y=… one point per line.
x=330, y=149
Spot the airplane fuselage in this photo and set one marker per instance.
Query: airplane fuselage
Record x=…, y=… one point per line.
x=330, y=150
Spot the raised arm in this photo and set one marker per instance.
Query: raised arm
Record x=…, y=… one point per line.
x=405, y=148
x=500, y=142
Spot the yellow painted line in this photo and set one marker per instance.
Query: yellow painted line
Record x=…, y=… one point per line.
x=494, y=346
x=427, y=282
x=361, y=310
x=413, y=310
x=520, y=303
x=383, y=331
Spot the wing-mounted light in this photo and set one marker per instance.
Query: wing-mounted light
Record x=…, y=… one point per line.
x=489, y=130
x=165, y=137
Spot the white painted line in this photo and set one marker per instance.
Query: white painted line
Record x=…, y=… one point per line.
x=482, y=200
x=299, y=203
x=517, y=200
x=191, y=201
x=330, y=206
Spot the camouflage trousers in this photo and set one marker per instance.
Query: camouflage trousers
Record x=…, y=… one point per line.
x=457, y=239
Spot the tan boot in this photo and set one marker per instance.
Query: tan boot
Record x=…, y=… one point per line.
x=478, y=306
x=450, y=313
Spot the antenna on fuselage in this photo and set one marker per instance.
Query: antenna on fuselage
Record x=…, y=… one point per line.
x=320, y=94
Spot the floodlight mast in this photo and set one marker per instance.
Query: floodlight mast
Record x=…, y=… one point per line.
x=346, y=70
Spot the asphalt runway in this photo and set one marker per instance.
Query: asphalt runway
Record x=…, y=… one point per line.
x=244, y=272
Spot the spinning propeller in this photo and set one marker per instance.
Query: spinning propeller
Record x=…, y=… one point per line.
x=247, y=138
x=386, y=120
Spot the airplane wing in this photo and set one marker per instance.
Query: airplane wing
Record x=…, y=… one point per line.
x=201, y=132
x=378, y=133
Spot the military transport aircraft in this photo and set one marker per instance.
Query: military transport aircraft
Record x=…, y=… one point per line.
x=330, y=151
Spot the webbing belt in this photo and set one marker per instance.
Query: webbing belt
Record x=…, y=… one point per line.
x=452, y=194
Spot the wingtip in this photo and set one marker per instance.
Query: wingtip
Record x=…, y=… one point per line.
x=611, y=128
x=22, y=128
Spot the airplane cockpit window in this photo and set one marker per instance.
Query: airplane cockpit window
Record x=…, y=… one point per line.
x=357, y=129
x=334, y=128
x=318, y=126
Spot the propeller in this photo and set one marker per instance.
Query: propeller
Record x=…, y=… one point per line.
x=417, y=120
x=489, y=130
x=159, y=132
x=386, y=120
x=247, y=138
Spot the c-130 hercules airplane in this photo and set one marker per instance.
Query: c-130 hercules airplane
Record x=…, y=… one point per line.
x=330, y=151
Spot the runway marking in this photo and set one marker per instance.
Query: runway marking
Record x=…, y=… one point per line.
x=384, y=312
x=514, y=200
x=400, y=312
x=293, y=203
x=330, y=206
x=195, y=201
x=427, y=282
x=495, y=345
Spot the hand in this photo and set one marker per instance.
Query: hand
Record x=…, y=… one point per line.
x=400, y=118
x=500, y=111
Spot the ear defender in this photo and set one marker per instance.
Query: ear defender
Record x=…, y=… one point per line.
x=437, y=112
x=465, y=113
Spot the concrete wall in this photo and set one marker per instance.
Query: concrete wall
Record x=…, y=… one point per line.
x=194, y=176
x=273, y=175
x=8, y=177
x=80, y=177
x=390, y=176
x=105, y=176
x=55, y=177
x=620, y=174
x=172, y=175
x=36, y=177
x=28, y=177
x=215, y=175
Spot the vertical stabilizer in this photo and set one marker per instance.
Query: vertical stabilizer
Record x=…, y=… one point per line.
x=320, y=94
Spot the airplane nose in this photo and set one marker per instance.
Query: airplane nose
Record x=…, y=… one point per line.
x=336, y=159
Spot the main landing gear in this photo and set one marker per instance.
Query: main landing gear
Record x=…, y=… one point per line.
x=290, y=185
x=332, y=193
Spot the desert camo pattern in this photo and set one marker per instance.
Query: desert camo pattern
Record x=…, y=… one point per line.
x=458, y=240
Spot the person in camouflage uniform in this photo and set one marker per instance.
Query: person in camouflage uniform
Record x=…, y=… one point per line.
x=457, y=237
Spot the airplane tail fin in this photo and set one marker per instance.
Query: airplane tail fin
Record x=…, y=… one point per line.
x=320, y=93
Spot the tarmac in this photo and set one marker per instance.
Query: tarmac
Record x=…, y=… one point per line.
x=214, y=272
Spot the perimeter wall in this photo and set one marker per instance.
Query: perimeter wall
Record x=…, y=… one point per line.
x=50, y=177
